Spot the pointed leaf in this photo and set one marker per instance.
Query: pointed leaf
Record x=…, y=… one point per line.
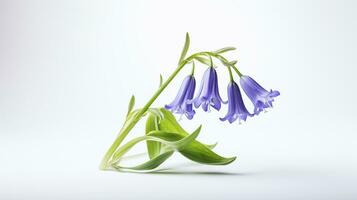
x=151, y=164
x=185, y=48
x=200, y=153
x=131, y=105
x=211, y=146
x=161, y=80
x=170, y=124
x=178, y=141
x=170, y=139
x=223, y=50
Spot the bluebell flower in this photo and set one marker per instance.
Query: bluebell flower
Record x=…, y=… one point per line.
x=181, y=104
x=260, y=97
x=236, y=107
x=208, y=94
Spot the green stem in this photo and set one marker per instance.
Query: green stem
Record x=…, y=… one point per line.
x=230, y=73
x=193, y=68
x=126, y=129
x=210, y=59
x=224, y=61
x=237, y=71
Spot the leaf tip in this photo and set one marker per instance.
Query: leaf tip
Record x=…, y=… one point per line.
x=231, y=159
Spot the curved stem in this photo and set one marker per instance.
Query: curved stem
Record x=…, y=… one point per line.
x=223, y=60
x=237, y=71
x=193, y=68
x=230, y=73
x=127, y=128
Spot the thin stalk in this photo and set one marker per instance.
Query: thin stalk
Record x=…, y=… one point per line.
x=125, y=131
x=237, y=71
x=230, y=73
x=193, y=68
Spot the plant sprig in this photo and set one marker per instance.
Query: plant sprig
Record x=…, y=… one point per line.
x=164, y=135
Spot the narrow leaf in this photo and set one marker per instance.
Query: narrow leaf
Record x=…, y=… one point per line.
x=165, y=138
x=178, y=141
x=212, y=146
x=200, y=153
x=223, y=50
x=169, y=123
x=185, y=48
x=152, y=146
x=131, y=105
x=161, y=80
x=151, y=164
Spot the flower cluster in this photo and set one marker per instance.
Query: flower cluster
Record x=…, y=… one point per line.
x=208, y=96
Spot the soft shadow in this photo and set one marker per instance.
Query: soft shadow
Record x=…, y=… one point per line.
x=186, y=169
x=199, y=173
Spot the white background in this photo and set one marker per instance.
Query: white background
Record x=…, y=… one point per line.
x=68, y=69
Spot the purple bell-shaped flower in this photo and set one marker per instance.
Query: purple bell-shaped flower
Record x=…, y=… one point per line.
x=236, y=107
x=182, y=103
x=260, y=97
x=208, y=95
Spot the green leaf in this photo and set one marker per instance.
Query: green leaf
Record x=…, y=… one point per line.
x=200, y=153
x=223, y=50
x=170, y=139
x=185, y=48
x=178, y=141
x=161, y=80
x=195, y=151
x=170, y=124
x=149, y=165
x=211, y=146
x=192, y=149
x=156, y=112
x=152, y=146
x=131, y=105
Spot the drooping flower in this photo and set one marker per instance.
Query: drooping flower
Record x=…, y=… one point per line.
x=260, y=97
x=181, y=104
x=208, y=94
x=236, y=107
